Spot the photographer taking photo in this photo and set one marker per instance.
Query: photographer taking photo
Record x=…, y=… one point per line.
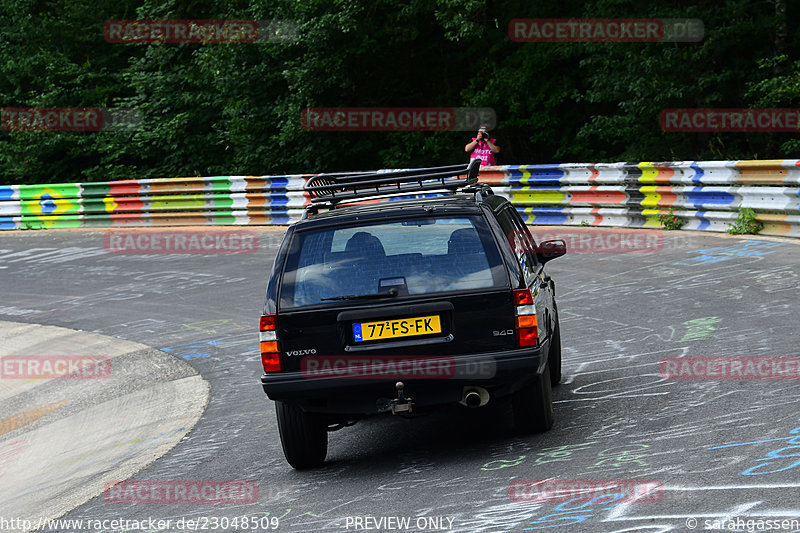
x=483, y=147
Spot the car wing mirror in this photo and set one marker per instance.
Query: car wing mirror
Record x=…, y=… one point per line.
x=548, y=250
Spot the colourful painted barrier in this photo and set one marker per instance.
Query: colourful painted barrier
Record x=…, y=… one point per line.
x=705, y=194
x=218, y=200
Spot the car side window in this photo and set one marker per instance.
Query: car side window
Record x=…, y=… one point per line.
x=520, y=240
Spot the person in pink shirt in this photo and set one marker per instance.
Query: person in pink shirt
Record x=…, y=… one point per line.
x=483, y=147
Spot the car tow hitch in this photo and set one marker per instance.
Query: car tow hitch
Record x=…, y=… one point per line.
x=401, y=404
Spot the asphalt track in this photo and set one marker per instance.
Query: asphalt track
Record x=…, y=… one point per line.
x=58, y=446
x=717, y=450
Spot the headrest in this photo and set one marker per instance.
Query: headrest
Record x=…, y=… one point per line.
x=365, y=244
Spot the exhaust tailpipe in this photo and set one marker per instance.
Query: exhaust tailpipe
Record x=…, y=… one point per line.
x=474, y=397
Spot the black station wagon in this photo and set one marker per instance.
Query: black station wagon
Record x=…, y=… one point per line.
x=402, y=291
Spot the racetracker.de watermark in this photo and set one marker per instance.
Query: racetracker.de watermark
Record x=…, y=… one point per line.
x=55, y=367
x=395, y=367
x=593, y=30
x=181, y=492
x=69, y=119
x=199, y=31
x=730, y=368
x=564, y=490
x=397, y=118
x=180, y=242
x=255, y=522
x=601, y=240
x=778, y=120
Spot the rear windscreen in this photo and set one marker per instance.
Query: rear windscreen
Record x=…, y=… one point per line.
x=405, y=258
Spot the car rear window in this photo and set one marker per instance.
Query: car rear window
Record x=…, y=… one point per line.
x=414, y=256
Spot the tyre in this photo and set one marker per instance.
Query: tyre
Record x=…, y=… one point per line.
x=304, y=436
x=554, y=355
x=533, y=405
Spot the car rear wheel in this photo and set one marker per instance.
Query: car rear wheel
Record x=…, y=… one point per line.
x=533, y=405
x=304, y=436
x=554, y=355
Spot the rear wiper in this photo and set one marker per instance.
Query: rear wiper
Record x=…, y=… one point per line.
x=391, y=293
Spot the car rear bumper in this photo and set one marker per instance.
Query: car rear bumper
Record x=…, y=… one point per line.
x=499, y=373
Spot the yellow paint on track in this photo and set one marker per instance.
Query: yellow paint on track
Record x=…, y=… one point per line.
x=30, y=416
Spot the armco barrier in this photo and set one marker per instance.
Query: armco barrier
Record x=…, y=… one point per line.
x=705, y=194
x=228, y=200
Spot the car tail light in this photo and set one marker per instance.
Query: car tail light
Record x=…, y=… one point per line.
x=527, y=327
x=268, y=335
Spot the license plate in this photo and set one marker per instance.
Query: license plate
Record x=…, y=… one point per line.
x=391, y=329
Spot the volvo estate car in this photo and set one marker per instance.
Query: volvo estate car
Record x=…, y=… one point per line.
x=401, y=292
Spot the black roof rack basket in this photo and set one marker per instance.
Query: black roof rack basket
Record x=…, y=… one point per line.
x=342, y=186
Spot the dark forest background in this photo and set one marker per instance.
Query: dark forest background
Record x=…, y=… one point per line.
x=234, y=109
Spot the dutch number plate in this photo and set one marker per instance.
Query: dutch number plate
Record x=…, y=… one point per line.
x=390, y=329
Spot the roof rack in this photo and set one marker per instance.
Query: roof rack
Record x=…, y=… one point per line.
x=337, y=187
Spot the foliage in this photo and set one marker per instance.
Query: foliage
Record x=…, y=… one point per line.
x=234, y=109
x=745, y=223
x=670, y=221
